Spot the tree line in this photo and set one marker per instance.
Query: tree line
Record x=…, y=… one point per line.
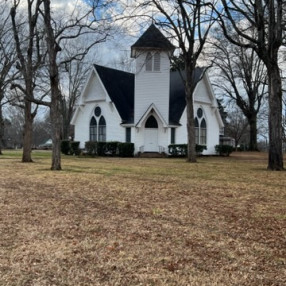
x=242, y=40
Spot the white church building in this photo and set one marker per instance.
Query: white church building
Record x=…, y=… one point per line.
x=147, y=108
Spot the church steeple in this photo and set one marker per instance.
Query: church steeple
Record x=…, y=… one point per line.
x=152, y=39
x=152, y=77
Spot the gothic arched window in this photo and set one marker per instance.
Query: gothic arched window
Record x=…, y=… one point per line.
x=93, y=129
x=201, y=127
x=102, y=129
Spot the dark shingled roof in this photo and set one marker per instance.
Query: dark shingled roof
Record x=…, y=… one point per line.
x=153, y=38
x=120, y=88
x=177, y=94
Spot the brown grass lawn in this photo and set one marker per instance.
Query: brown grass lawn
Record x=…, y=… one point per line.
x=112, y=221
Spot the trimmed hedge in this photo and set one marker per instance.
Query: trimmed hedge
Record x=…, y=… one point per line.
x=224, y=150
x=181, y=150
x=70, y=147
x=65, y=147
x=100, y=151
x=178, y=150
x=74, y=148
x=111, y=148
x=126, y=149
x=91, y=148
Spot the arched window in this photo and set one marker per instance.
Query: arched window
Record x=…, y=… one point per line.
x=157, y=61
x=149, y=62
x=201, y=128
x=93, y=129
x=203, y=132
x=151, y=122
x=102, y=130
x=197, y=131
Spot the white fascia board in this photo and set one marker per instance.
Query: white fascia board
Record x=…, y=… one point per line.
x=81, y=101
x=108, y=99
x=152, y=106
x=78, y=109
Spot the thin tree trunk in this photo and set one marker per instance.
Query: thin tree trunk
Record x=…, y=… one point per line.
x=253, y=133
x=27, y=134
x=190, y=116
x=275, y=156
x=1, y=130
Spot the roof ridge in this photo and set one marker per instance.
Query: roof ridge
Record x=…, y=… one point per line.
x=109, y=68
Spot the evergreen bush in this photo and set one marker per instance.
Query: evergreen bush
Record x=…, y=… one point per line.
x=111, y=148
x=91, y=148
x=65, y=147
x=181, y=150
x=74, y=148
x=101, y=148
x=126, y=149
x=224, y=150
x=200, y=149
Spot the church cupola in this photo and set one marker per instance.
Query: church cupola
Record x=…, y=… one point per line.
x=151, y=40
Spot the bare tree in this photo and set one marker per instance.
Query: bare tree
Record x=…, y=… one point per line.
x=189, y=23
x=236, y=126
x=241, y=77
x=7, y=59
x=74, y=28
x=28, y=39
x=260, y=25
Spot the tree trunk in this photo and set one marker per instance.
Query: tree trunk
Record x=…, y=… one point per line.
x=56, y=124
x=1, y=130
x=190, y=115
x=55, y=111
x=275, y=156
x=27, y=134
x=253, y=133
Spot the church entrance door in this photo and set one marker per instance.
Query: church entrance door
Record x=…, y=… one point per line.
x=151, y=135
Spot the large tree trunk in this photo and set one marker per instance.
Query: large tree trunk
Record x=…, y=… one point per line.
x=1, y=130
x=275, y=156
x=253, y=133
x=27, y=134
x=56, y=117
x=190, y=115
x=56, y=124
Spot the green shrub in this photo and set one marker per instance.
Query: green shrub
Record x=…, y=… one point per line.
x=126, y=149
x=91, y=148
x=101, y=148
x=74, y=148
x=223, y=150
x=65, y=147
x=178, y=150
x=200, y=149
x=111, y=148
x=181, y=150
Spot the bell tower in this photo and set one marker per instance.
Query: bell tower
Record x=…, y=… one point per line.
x=152, y=53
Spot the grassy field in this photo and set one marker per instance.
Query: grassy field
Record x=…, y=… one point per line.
x=112, y=221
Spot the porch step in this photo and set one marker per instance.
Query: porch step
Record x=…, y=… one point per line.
x=152, y=155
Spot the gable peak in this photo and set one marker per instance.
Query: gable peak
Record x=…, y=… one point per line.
x=152, y=39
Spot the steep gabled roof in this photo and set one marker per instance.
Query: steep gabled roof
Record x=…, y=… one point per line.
x=120, y=88
x=152, y=38
x=177, y=94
